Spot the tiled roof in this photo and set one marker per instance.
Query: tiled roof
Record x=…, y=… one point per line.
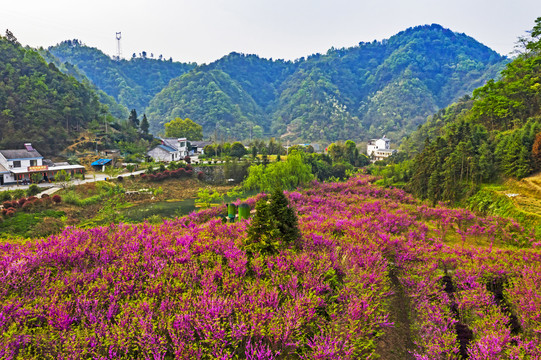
x=171, y=142
x=20, y=154
x=200, y=144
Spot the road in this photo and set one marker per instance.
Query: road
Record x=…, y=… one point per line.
x=88, y=179
x=53, y=187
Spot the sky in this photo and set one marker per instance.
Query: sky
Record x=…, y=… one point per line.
x=202, y=31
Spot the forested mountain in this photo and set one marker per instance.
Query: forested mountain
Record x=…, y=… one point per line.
x=495, y=134
x=367, y=90
x=212, y=97
x=132, y=82
x=117, y=110
x=39, y=103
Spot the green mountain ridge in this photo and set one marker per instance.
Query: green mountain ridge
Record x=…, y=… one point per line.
x=40, y=104
x=188, y=95
x=132, y=83
x=367, y=90
x=492, y=136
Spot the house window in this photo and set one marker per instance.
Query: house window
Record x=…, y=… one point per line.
x=17, y=164
x=33, y=163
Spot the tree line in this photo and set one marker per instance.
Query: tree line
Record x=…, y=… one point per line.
x=495, y=134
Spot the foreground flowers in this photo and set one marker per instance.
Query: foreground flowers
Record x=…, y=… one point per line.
x=185, y=290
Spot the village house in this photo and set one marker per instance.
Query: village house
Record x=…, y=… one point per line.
x=379, y=149
x=21, y=165
x=196, y=147
x=173, y=149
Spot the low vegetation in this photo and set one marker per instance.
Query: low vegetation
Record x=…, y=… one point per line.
x=198, y=287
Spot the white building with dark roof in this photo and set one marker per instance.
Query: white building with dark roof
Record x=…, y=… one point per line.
x=171, y=149
x=20, y=165
x=379, y=149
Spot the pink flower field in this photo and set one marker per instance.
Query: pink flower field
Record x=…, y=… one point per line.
x=185, y=289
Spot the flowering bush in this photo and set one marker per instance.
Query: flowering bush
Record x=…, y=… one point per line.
x=167, y=174
x=10, y=204
x=185, y=289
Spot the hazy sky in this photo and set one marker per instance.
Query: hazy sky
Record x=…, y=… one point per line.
x=205, y=30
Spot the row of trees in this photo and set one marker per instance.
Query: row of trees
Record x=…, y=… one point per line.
x=303, y=165
x=496, y=134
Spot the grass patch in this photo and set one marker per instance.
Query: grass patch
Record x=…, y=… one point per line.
x=24, y=224
x=492, y=200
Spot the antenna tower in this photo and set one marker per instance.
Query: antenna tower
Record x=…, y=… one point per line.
x=119, y=52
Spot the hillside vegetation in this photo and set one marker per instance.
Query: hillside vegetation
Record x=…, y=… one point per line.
x=40, y=104
x=194, y=287
x=494, y=135
x=374, y=88
x=131, y=82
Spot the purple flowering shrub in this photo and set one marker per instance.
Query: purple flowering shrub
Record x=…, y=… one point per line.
x=184, y=289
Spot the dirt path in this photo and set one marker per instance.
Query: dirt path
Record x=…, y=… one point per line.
x=397, y=343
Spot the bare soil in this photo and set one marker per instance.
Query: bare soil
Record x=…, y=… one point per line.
x=397, y=343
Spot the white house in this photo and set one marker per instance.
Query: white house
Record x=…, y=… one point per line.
x=171, y=149
x=379, y=149
x=21, y=164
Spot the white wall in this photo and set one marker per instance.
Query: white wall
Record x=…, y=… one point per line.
x=25, y=163
x=159, y=154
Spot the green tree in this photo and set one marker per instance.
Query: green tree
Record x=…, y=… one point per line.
x=63, y=178
x=205, y=197
x=263, y=234
x=134, y=121
x=274, y=226
x=237, y=150
x=144, y=125
x=285, y=216
x=336, y=152
x=257, y=132
x=350, y=152
x=184, y=128
x=284, y=174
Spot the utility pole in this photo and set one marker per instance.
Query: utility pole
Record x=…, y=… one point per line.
x=119, y=51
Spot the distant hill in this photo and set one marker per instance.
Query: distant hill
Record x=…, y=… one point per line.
x=40, y=104
x=117, y=110
x=132, y=82
x=386, y=87
x=494, y=135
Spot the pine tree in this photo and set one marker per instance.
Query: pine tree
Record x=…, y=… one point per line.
x=144, y=125
x=285, y=216
x=523, y=166
x=273, y=227
x=536, y=153
x=263, y=234
x=134, y=121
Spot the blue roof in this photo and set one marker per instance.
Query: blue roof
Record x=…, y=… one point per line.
x=101, y=162
x=167, y=148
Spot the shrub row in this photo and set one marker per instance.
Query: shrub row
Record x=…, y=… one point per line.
x=28, y=204
x=19, y=193
x=169, y=174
